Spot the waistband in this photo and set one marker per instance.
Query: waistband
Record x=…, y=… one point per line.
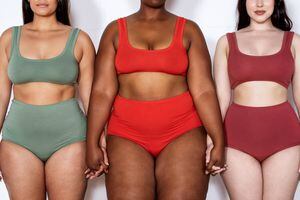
x=60, y=103
x=261, y=107
x=166, y=100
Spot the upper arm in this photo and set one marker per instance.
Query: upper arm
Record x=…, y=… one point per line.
x=85, y=48
x=221, y=73
x=105, y=79
x=87, y=58
x=296, y=77
x=199, y=73
x=5, y=48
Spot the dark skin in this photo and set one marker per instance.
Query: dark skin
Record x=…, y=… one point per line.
x=152, y=28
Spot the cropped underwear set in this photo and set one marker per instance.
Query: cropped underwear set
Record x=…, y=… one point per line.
x=258, y=131
x=261, y=131
x=44, y=129
x=153, y=124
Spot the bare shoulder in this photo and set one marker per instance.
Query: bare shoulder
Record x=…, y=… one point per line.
x=6, y=37
x=84, y=38
x=296, y=40
x=223, y=42
x=111, y=30
x=192, y=29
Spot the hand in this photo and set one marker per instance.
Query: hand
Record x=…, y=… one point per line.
x=215, y=160
x=95, y=162
x=103, y=148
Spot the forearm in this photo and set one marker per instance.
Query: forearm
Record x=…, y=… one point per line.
x=4, y=102
x=85, y=98
x=98, y=114
x=297, y=103
x=208, y=109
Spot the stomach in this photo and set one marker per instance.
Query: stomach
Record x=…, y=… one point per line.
x=260, y=94
x=149, y=86
x=41, y=93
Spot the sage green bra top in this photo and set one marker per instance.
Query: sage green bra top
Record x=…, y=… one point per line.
x=61, y=69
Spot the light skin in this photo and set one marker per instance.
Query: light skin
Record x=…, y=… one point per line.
x=129, y=161
x=252, y=179
x=62, y=175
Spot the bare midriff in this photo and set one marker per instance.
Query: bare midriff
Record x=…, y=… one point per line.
x=43, y=93
x=151, y=85
x=260, y=94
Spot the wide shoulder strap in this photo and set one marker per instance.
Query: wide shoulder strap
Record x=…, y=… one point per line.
x=72, y=40
x=179, y=28
x=15, y=40
x=122, y=28
x=232, y=41
x=289, y=35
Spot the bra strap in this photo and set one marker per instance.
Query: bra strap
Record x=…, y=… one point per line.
x=232, y=42
x=179, y=29
x=72, y=39
x=288, y=40
x=15, y=40
x=122, y=28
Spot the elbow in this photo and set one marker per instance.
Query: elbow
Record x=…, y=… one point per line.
x=108, y=93
x=206, y=94
x=5, y=96
x=297, y=102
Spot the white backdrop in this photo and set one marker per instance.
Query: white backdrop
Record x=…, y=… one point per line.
x=215, y=17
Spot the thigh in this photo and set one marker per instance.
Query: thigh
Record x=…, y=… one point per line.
x=64, y=171
x=280, y=174
x=131, y=171
x=180, y=168
x=243, y=178
x=23, y=172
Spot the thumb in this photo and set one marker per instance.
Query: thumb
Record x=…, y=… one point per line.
x=207, y=157
x=103, y=140
x=105, y=157
x=208, y=153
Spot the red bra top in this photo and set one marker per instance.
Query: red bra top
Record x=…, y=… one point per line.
x=170, y=60
x=278, y=67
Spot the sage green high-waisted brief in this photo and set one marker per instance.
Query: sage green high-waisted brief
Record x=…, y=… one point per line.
x=44, y=129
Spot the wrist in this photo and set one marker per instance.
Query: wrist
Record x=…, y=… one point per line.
x=92, y=144
x=219, y=144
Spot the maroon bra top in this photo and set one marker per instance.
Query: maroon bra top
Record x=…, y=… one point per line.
x=278, y=67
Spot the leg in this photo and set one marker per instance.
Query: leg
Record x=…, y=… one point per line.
x=280, y=173
x=131, y=171
x=243, y=179
x=180, y=168
x=64, y=170
x=23, y=172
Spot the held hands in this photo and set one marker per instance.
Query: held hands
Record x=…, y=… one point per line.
x=96, y=159
x=215, y=162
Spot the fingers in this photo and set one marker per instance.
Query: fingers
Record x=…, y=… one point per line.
x=209, y=166
x=105, y=157
x=93, y=173
x=87, y=171
x=216, y=170
x=220, y=170
x=97, y=173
